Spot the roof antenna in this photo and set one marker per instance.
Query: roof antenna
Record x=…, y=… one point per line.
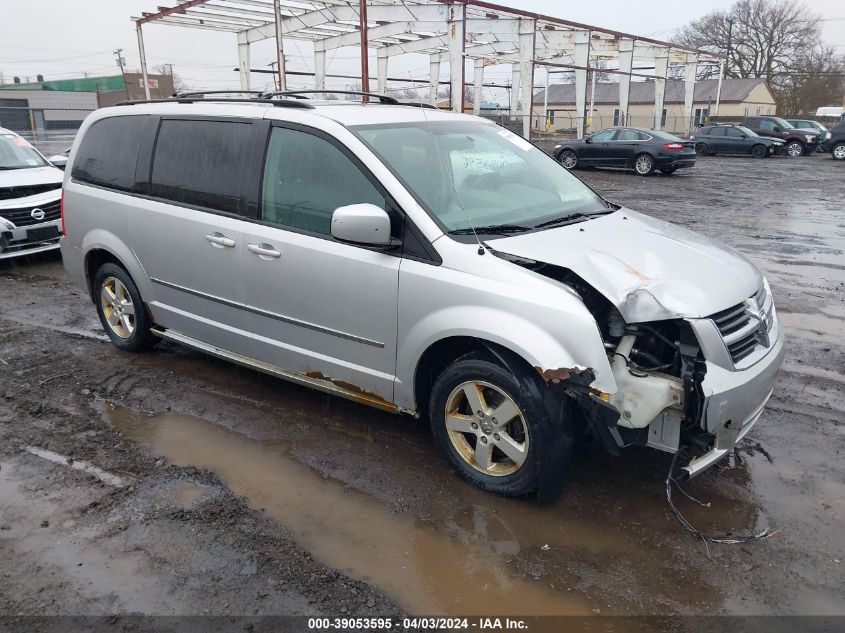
x=448, y=170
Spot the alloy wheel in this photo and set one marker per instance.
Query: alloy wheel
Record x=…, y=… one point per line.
x=794, y=149
x=568, y=159
x=118, y=307
x=644, y=165
x=839, y=152
x=486, y=428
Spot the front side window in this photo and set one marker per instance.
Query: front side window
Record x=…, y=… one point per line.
x=473, y=173
x=733, y=132
x=16, y=153
x=716, y=131
x=108, y=152
x=198, y=162
x=767, y=125
x=604, y=135
x=306, y=178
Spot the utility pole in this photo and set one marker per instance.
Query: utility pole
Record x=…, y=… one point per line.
x=728, y=56
x=118, y=52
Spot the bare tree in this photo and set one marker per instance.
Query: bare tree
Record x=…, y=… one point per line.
x=167, y=69
x=816, y=78
x=760, y=37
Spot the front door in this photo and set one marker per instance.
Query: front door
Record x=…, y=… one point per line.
x=320, y=308
x=597, y=151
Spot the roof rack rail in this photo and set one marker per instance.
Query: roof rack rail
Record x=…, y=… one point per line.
x=296, y=94
x=281, y=103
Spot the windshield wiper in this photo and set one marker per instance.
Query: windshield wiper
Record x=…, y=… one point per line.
x=493, y=228
x=572, y=218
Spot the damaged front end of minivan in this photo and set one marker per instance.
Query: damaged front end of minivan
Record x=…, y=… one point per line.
x=681, y=380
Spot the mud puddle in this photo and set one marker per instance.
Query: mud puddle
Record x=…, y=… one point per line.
x=423, y=566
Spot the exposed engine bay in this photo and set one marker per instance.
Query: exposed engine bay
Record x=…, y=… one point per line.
x=658, y=368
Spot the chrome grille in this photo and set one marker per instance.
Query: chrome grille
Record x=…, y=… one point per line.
x=23, y=216
x=746, y=326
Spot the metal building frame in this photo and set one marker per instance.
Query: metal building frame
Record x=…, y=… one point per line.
x=450, y=31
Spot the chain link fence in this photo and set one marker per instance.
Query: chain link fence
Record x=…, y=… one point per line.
x=50, y=130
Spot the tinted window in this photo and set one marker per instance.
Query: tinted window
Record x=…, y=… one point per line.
x=108, y=152
x=732, y=131
x=604, y=135
x=631, y=135
x=714, y=131
x=198, y=162
x=306, y=178
x=767, y=125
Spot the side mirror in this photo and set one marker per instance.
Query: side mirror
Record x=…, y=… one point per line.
x=742, y=136
x=58, y=161
x=362, y=224
x=587, y=139
x=777, y=128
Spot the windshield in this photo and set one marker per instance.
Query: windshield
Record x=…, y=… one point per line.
x=476, y=174
x=16, y=153
x=781, y=122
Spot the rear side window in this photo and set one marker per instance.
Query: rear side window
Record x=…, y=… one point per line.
x=198, y=162
x=716, y=131
x=108, y=152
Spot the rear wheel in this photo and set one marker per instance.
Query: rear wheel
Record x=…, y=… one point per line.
x=121, y=309
x=838, y=151
x=794, y=148
x=495, y=434
x=644, y=165
x=759, y=151
x=702, y=149
x=568, y=159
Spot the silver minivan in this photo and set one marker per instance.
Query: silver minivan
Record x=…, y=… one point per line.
x=423, y=262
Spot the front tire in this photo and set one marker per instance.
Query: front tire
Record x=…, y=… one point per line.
x=121, y=309
x=568, y=159
x=494, y=432
x=759, y=151
x=838, y=151
x=644, y=165
x=794, y=149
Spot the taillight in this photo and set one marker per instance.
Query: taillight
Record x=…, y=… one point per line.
x=62, y=211
x=673, y=146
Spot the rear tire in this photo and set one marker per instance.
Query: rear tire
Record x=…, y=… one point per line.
x=759, y=151
x=569, y=159
x=838, y=151
x=702, y=149
x=504, y=447
x=121, y=310
x=644, y=165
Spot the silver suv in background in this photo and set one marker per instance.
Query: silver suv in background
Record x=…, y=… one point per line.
x=30, y=197
x=422, y=262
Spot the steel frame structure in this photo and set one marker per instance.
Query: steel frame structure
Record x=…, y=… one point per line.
x=450, y=31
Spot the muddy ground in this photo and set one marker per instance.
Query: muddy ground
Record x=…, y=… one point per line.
x=242, y=494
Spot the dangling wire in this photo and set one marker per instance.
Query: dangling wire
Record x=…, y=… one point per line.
x=725, y=539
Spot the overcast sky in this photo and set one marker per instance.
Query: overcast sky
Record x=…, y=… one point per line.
x=69, y=38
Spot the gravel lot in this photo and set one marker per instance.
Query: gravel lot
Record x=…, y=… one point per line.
x=241, y=494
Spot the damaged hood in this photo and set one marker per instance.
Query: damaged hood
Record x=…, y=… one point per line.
x=649, y=269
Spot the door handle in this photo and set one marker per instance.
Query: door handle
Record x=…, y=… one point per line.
x=219, y=240
x=264, y=251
